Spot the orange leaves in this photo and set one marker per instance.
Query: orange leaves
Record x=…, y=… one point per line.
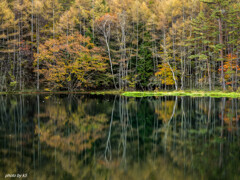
x=230, y=63
x=107, y=17
x=68, y=60
x=230, y=67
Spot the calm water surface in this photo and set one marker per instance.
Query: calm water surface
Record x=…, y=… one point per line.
x=114, y=137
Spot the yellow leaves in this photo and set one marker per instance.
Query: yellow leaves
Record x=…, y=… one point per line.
x=145, y=11
x=164, y=74
x=66, y=21
x=6, y=15
x=38, y=5
x=47, y=89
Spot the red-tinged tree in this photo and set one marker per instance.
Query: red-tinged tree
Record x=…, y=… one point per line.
x=69, y=62
x=229, y=68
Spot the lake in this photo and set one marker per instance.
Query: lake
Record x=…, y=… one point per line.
x=76, y=136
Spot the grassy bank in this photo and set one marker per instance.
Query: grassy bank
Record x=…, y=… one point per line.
x=137, y=93
x=183, y=93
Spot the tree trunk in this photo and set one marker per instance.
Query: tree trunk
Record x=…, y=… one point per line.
x=221, y=52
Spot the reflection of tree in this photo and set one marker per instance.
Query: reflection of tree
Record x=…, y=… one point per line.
x=63, y=131
x=15, y=134
x=194, y=140
x=191, y=138
x=106, y=137
x=75, y=131
x=108, y=144
x=165, y=109
x=231, y=114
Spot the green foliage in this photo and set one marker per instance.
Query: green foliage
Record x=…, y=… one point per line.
x=145, y=63
x=13, y=84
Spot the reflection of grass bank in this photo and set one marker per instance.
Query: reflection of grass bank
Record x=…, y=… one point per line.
x=183, y=93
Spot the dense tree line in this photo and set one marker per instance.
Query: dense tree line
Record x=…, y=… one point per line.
x=119, y=44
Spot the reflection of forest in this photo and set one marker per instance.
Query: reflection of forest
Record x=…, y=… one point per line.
x=107, y=137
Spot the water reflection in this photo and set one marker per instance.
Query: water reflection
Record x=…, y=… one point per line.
x=115, y=137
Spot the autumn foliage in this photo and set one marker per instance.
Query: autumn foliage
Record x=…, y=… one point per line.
x=164, y=74
x=147, y=44
x=68, y=62
x=230, y=67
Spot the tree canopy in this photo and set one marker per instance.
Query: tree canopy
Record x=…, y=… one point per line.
x=113, y=44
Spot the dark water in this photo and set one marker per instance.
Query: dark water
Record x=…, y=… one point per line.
x=113, y=137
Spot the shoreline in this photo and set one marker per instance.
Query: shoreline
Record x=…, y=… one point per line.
x=215, y=94
x=136, y=93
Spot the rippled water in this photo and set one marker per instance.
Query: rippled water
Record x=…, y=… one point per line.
x=114, y=137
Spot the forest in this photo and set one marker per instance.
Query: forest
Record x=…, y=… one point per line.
x=81, y=45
